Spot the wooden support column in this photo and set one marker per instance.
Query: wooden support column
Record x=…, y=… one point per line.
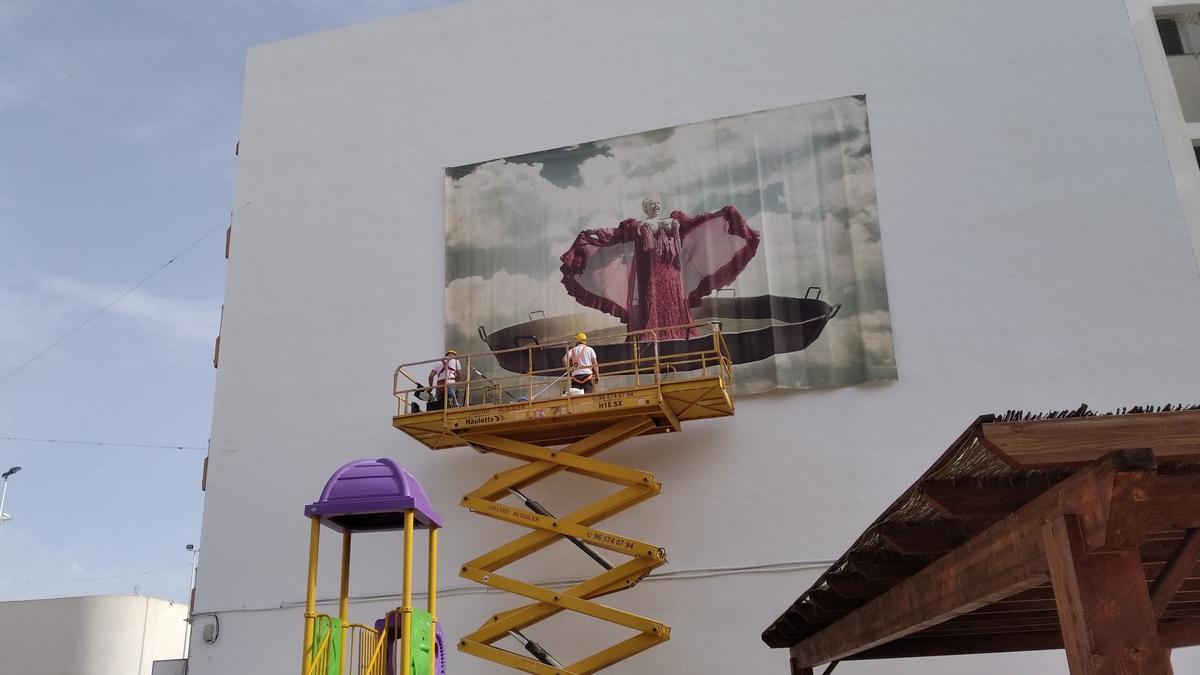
x=1108, y=624
x=798, y=670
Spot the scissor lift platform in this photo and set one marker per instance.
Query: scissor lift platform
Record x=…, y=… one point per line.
x=533, y=418
x=565, y=420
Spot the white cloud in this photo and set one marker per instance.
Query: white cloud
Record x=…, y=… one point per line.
x=505, y=299
x=36, y=311
x=163, y=316
x=322, y=15
x=13, y=93
x=862, y=339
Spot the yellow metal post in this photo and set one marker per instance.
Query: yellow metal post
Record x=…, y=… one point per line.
x=406, y=604
x=637, y=365
x=433, y=536
x=310, y=598
x=344, y=598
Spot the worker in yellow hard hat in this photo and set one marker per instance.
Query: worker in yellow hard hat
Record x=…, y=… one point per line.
x=582, y=364
x=443, y=379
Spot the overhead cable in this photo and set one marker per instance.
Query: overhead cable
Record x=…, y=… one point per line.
x=97, y=444
x=104, y=578
x=473, y=589
x=120, y=297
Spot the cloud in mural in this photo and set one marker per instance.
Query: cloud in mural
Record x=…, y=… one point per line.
x=470, y=298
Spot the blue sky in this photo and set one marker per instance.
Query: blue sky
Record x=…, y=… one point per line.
x=117, y=126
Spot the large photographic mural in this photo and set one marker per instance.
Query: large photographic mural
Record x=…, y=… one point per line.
x=765, y=222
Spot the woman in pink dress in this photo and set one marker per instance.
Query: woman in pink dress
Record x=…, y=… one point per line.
x=650, y=273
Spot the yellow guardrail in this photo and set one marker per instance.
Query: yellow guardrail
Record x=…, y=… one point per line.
x=320, y=658
x=361, y=653
x=648, y=360
x=364, y=651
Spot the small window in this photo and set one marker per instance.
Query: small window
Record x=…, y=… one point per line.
x=1196, y=149
x=1168, y=31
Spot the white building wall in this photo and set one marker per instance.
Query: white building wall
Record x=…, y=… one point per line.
x=92, y=635
x=1174, y=104
x=1185, y=72
x=1036, y=249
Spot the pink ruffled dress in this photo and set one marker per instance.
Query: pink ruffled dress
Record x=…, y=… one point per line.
x=651, y=275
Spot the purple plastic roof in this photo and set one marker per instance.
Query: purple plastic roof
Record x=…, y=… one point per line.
x=371, y=495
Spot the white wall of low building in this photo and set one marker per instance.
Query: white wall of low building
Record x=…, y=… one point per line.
x=1036, y=247
x=91, y=635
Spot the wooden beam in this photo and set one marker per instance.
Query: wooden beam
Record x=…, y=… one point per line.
x=988, y=498
x=1176, y=502
x=1153, y=561
x=924, y=537
x=1104, y=611
x=984, y=615
x=1015, y=607
x=797, y=670
x=1077, y=441
x=1180, y=633
x=1174, y=634
x=1160, y=550
x=1001, y=561
x=1129, y=504
x=1188, y=597
x=919, y=645
x=1039, y=593
x=945, y=630
x=1176, y=571
x=965, y=625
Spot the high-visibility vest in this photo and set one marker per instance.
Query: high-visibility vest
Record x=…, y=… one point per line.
x=447, y=372
x=575, y=358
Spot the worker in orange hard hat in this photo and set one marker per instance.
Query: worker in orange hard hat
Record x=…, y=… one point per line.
x=443, y=379
x=582, y=364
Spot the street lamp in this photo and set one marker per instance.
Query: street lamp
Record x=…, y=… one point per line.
x=187, y=635
x=4, y=517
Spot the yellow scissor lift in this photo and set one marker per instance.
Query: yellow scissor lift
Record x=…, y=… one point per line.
x=651, y=386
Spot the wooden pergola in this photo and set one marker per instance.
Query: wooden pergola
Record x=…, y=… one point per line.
x=1062, y=531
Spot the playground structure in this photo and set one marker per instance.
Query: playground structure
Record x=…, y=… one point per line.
x=372, y=496
x=535, y=419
